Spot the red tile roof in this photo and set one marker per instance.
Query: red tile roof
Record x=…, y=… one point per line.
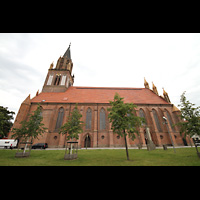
x=100, y=95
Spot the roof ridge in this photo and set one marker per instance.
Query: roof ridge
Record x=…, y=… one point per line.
x=90, y=87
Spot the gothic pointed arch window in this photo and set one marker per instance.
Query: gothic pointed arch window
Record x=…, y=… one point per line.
x=88, y=118
x=128, y=115
x=102, y=119
x=155, y=115
x=59, y=119
x=50, y=80
x=37, y=121
x=57, y=79
x=41, y=110
x=170, y=121
x=142, y=114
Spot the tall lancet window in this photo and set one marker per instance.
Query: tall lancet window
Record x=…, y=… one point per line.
x=102, y=119
x=88, y=118
x=170, y=121
x=59, y=119
x=155, y=115
x=141, y=113
x=57, y=79
x=63, y=80
x=50, y=80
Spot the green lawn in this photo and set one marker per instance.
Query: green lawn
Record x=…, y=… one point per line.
x=104, y=157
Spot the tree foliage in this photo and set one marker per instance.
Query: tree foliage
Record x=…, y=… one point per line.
x=5, y=121
x=123, y=118
x=31, y=128
x=190, y=115
x=73, y=126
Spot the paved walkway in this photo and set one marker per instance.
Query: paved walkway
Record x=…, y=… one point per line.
x=121, y=148
x=111, y=148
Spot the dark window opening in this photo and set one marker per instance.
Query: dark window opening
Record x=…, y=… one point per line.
x=59, y=119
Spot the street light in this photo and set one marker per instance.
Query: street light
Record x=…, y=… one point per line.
x=165, y=122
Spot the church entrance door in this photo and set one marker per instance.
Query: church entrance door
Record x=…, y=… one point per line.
x=184, y=142
x=87, y=142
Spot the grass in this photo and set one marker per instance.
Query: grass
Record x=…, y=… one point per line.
x=104, y=157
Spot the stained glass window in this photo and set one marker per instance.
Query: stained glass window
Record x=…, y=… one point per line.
x=88, y=118
x=141, y=113
x=155, y=115
x=170, y=121
x=102, y=119
x=59, y=119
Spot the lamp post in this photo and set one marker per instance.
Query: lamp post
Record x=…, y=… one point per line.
x=165, y=122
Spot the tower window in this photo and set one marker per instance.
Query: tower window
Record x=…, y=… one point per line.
x=63, y=80
x=50, y=80
x=57, y=79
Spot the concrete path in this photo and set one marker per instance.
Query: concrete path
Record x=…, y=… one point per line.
x=120, y=148
x=108, y=148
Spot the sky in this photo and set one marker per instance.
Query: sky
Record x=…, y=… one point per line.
x=169, y=60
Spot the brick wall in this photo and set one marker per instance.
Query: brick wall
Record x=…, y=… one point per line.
x=105, y=138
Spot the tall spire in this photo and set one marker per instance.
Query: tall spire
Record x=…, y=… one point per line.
x=68, y=53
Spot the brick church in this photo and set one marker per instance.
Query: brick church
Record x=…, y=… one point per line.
x=59, y=97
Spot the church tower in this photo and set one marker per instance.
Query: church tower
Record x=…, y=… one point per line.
x=60, y=78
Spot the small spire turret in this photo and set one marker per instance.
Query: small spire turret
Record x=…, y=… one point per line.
x=154, y=88
x=166, y=97
x=146, y=84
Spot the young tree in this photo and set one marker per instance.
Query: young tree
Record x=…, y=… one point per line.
x=124, y=120
x=73, y=127
x=190, y=115
x=5, y=121
x=31, y=128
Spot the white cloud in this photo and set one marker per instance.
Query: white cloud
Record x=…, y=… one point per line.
x=171, y=61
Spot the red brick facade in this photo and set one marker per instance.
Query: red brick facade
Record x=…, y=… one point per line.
x=59, y=94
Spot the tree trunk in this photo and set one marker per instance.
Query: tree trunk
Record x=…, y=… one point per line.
x=197, y=151
x=30, y=145
x=25, y=146
x=126, y=145
x=71, y=149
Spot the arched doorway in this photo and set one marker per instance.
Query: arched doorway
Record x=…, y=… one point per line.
x=87, y=141
x=184, y=142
